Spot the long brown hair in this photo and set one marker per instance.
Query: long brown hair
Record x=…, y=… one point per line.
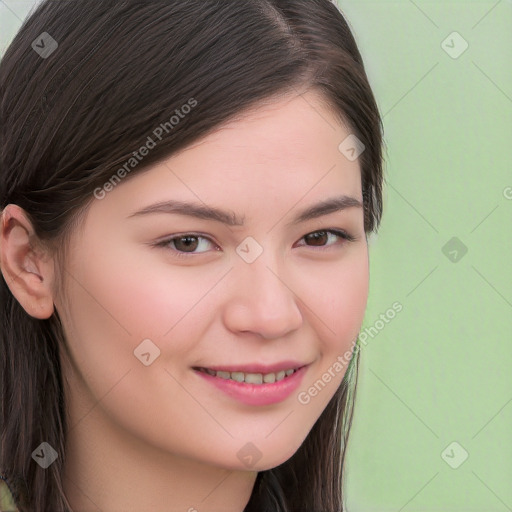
x=70, y=118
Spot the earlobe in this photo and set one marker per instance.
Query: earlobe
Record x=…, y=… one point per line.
x=27, y=270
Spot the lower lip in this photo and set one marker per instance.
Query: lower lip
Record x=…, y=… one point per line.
x=257, y=394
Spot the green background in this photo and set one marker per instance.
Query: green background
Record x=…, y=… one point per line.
x=439, y=372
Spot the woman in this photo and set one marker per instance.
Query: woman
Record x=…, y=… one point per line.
x=187, y=188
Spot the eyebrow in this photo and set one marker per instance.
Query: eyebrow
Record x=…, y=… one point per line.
x=201, y=211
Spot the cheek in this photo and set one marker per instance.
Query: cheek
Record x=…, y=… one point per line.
x=339, y=306
x=340, y=300
x=112, y=309
x=135, y=293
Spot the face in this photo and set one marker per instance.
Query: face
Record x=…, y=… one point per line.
x=153, y=297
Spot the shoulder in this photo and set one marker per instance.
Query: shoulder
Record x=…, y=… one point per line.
x=6, y=498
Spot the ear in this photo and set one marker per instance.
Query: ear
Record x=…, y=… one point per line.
x=27, y=269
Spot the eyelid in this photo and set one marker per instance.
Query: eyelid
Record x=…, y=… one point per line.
x=341, y=233
x=164, y=243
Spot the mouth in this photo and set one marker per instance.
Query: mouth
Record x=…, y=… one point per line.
x=253, y=387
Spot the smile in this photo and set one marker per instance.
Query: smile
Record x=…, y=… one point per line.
x=255, y=388
x=251, y=378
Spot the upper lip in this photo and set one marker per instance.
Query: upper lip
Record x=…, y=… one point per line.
x=257, y=368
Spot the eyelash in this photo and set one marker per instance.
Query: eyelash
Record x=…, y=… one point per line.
x=180, y=254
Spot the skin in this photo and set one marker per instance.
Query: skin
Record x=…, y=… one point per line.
x=159, y=437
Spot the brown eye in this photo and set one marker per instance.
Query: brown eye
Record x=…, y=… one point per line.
x=186, y=243
x=317, y=238
x=321, y=238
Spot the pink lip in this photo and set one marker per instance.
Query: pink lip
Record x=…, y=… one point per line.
x=257, y=394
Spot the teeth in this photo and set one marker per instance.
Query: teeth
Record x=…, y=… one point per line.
x=269, y=378
x=238, y=376
x=251, y=378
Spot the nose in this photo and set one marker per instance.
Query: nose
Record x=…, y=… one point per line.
x=262, y=300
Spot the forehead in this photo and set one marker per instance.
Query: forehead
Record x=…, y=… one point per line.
x=282, y=153
x=276, y=130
